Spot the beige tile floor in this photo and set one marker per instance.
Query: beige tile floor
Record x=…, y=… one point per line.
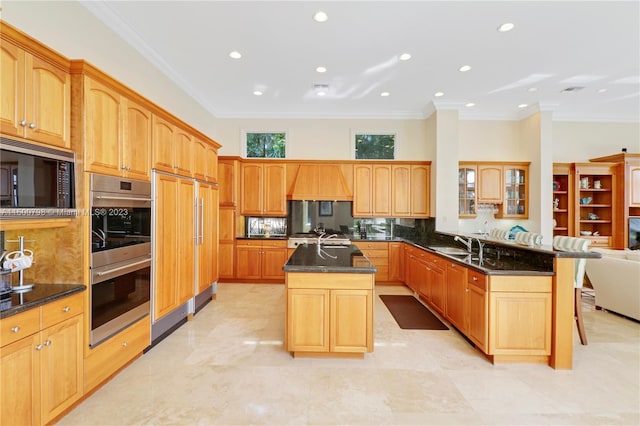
x=228, y=367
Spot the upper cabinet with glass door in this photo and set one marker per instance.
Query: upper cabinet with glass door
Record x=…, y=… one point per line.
x=467, y=174
x=516, y=191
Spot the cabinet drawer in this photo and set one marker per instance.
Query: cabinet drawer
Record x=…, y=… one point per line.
x=248, y=243
x=60, y=310
x=17, y=326
x=372, y=246
x=477, y=279
x=373, y=253
x=274, y=244
x=113, y=354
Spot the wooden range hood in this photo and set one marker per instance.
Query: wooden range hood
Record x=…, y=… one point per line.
x=316, y=181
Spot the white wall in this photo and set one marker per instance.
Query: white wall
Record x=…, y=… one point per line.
x=489, y=140
x=576, y=142
x=326, y=139
x=71, y=30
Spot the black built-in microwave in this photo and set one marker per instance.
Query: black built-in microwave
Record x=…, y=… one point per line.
x=35, y=181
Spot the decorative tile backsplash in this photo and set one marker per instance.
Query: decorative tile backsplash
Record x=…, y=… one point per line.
x=266, y=226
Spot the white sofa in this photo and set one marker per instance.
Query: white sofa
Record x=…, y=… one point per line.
x=616, y=281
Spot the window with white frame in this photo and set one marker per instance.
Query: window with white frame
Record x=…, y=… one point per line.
x=264, y=144
x=374, y=145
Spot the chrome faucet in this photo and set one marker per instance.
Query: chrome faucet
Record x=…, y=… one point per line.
x=322, y=238
x=480, y=248
x=467, y=243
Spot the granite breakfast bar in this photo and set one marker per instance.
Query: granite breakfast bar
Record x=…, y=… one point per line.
x=329, y=308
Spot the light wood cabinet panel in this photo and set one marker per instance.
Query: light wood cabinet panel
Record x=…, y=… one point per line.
x=248, y=262
x=260, y=260
x=211, y=164
x=36, y=97
x=226, y=256
x=165, y=295
x=308, y=320
x=382, y=190
x=402, y=190
x=273, y=259
x=186, y=241
x=362, y=194
x=513, y=313
x=20, y=385
x=420, y=191
x=438, y=284
x=351, y=321
x=183, y=153
x=634, y=185
x=598, y=210
x=111, y=355
x=136, y=146
x=478, y=310
x=62, y=367
x=456, y=296
x=490, y=183
x=103, y=137
x=263, y=189
x=378, y=254
x=227, y=182
x=163, y=145
x=227, y=225
x=199, y=159
x=396, y=262
x=207, y=247
x=42, y=373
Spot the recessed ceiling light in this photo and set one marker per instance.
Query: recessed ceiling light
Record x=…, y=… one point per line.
x=532, y=89
x=603, y=90
x=405, y=56
x=321, y=69
x=469, y=105
x=257, y=93
x=321, y=89
x=438, y=94
x=464, y=68
x=320, y=16
x=321, y=93
x=523, y=105
x=235, y=55
x=508, y=26
x=384, y=94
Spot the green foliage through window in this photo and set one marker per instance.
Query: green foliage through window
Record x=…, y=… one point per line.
x=375, y=147
x=266, y=145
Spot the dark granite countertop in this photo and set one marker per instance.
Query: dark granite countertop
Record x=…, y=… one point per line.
x=258, y=237
x=329, y=258
x=39, y=295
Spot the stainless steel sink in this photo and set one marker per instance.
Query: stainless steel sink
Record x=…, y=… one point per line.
x=452, y=251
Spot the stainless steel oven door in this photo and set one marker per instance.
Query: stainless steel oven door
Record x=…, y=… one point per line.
x=120, y=293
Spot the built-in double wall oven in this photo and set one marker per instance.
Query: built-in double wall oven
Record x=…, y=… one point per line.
x=120, y=254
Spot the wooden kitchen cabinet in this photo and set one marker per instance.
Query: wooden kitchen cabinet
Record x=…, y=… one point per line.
x=456, y=309
x=477, y=309
x=467, y=180
x=227, y=173
x=35, y=91
x=563, y=192
x=335, y=319
x=174, y=266
x=437, y=282
x=175, y=149
x=207, y=237
x=117, y=133
x=227, y=237
x=378, y=254
x=410, y=190
x=183, y=153
x=372, y=190
x=490, y=183
x=396, y=262
x=263, y=189
x=261, y=259
x=41, y=362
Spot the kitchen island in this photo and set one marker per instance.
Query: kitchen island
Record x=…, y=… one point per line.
x=329, y=309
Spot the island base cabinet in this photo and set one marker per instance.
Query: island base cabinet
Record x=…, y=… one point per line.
x=109, y=357
x=520, y=321
x=331, y=321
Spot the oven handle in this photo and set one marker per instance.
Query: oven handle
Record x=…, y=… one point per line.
x=120, y=268
x=110, y=197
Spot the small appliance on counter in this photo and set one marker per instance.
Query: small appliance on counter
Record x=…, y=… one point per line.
x=5, y=283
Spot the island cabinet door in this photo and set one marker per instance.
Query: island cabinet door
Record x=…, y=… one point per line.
x=351, y=322
x=308, y=320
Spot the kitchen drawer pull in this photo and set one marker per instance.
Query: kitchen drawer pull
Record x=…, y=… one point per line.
x=47, y=342
x=124, y=344
x=66, y=309
x=475, y=278
x=32, y=125
x=101, y=273
x=15, y=329
x=39, y=347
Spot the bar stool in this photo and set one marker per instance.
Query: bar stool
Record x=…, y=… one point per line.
x=528, y=238
x=562, y=243
x=499, y=234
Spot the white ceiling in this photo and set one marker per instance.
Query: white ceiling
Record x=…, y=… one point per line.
x=555, y=45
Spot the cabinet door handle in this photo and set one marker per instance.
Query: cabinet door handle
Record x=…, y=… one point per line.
x=39, y=347
x=66, y=309
x=48, y=342
x=32, y=125
x=15, y=329
x=475, y=278
x=23, y=123
x=124, y=344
